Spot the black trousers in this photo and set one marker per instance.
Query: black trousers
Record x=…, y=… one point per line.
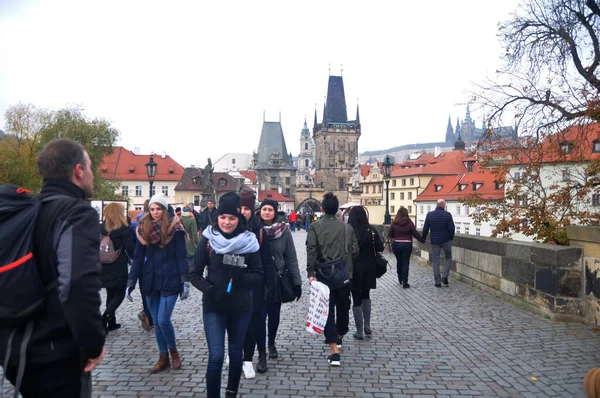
x=339, y=314
x=114, y=298
x=62, y=379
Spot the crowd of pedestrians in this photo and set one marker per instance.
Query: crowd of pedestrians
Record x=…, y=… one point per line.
x=238, y=255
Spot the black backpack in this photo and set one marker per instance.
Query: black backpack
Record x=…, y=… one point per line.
x=22, y=292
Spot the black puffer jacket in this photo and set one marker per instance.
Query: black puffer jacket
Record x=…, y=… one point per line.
x=441, y=224
x=114, y=275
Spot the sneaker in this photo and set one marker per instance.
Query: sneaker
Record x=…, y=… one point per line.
x=248, y=370
x=438, y=285
x=273, y=354
x=405, y=286
x=339, y=342
x=445, y=281
x=334, y=360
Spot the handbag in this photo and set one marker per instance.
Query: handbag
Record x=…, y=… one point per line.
x=380, y=262
x=334, y=273
x=286, y=287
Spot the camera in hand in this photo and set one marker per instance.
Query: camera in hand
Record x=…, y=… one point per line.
x=234, y=260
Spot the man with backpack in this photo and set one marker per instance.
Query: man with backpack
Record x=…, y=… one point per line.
x=52, y=352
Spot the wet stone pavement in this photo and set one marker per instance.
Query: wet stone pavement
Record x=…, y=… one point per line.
x=427, y=342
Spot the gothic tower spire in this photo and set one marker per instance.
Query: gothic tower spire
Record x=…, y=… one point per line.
x=449, y=131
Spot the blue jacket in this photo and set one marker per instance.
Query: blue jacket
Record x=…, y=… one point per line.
x=441, y=224
x=161, y=271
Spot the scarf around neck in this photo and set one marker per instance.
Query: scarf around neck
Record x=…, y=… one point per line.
x=242, y=243
x=276, y=230
x=155, y=237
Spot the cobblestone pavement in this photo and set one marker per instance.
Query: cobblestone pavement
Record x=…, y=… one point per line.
x=453, y=341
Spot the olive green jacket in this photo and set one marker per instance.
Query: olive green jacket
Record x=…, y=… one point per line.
x=191, y=234
x=325, y=242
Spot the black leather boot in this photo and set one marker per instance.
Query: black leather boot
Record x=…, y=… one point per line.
x=262, y=362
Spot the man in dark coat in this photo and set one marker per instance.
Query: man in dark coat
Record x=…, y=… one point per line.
x=67, y=341
x=442, y=232
x=209, y=215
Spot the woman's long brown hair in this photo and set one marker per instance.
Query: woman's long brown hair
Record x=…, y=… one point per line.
x=148, y=221
x=113, y=216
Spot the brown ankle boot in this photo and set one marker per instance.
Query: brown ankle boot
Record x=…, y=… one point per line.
x=175, y=359
x=162, y=364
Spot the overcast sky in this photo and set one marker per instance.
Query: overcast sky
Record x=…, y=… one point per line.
x=192, y=78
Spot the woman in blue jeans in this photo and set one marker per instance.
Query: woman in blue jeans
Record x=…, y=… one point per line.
x=159, y=261
x=231, y=254
x=402, y=232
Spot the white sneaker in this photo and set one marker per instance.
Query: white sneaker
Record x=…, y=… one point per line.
x=249, y=372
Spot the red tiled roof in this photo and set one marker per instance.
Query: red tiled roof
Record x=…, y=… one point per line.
x=123, y=164
x=446, y=163
x=450, y=185
x=249, y=174
x=272, y=194
x=364, y=169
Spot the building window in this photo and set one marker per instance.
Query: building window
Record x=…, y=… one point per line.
x=458, y=210
x=404, y=182
x=595, y=199
x=288, y=192
x=138, y=190
x=401, y=195
x=421, y=210
x=305, y=162
x=428, y=208
x=516, y=176
x=273, y=180
x=367, y=189
x=306, y=145
x=153, y=191
x=305, y=178
x=287, y=180
x=392, y=210
x=466, y=229
x=467, y=210
x=421, y=224
x=392, y=196
x=393, y=183
x=341, y=184
x=566, y=147
x=165, y=190
x=222, y=182
x=596, y=147
x=409, y=209
x=125, y=190
x=566, y=175
x=477, y=231
x=458, y=228
x=412, y=181
x=410, y=196
x=379, y=189
x=138, y=208
x=233, y=161
x=196, y=200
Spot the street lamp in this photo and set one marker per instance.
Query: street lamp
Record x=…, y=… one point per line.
x=387, y=173
x=151, y=171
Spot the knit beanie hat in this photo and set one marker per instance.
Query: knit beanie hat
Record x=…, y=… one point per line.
x=159, y=198
x=247, y=199
x=270, y=202
x=230, y=204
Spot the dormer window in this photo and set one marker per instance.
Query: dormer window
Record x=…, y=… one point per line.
x=476, y=186
x=498, y=184
x=222, y=182
x=596, y=146
x=566, y=147
x=131, y=168
x=462, y=187
x=104, y=169
x=438, y=187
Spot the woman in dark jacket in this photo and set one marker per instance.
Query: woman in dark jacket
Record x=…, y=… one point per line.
x=231, y=254
x=160, y=263
x=363, y=275
x=114, y=275
x=284, y=253
x=401, y=233
x=256, y=336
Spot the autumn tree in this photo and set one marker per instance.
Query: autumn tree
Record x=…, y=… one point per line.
x=29, y=128
x=549, y=90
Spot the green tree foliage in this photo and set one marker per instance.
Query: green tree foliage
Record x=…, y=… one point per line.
x=29, y=128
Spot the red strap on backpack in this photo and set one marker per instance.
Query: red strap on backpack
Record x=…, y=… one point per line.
x=15, y=264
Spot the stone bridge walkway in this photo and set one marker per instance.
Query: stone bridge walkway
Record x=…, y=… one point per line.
x=449, y=342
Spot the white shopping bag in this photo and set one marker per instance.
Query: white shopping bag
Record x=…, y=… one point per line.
x=318, y=309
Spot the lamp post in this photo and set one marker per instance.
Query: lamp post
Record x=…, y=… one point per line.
x=387, y=173
x=151, y=171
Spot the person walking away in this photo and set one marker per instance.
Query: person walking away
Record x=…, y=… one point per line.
x=442, y=232
x=256, y=335
x=114, y=274
x=364, y=277
x=231, y=254
x=401, y=233
x=160, y=260
x=293, y=217
x=67, y=339
x=209, y=215
x=191, y=233
x=284, y=253
x=330, y=239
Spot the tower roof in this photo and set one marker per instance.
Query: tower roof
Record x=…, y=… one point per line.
x=305, y=130
x=272, y=141
x=335, y=107
x=449, y=132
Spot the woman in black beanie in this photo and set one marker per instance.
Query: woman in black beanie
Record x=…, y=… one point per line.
x=284, y=252
x=230, y=252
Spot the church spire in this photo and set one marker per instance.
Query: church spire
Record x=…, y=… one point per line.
x=468, y=116
x=357, y=115
x=315, y=124
x=457, y=128
x=449, y=131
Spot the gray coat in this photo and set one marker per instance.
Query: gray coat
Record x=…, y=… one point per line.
x=284, y=252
